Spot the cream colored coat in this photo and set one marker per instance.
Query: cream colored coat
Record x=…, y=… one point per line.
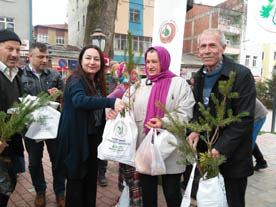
x=179, y=97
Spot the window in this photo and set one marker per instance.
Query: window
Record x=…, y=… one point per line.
x=83, y=20
x=135, y=44
x=78, y=26
x=7, y=23
x=262, y=55
x=247, y=60
x=60, y=40
x=254, y=61
x=77, y=2
x=147, y=43
x=134, y=15
x=139, y=43
x=42, y=38
x=274, y=55
x=120, y=42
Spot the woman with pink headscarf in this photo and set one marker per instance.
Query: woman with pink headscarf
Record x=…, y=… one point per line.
x=174, y=93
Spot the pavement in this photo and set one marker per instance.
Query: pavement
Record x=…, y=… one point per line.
x=261, y=190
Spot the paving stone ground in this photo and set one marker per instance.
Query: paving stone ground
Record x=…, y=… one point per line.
x=261, y=191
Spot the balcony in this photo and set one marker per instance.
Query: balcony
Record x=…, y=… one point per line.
x=230, y=21
x=229, y=29
x=232, y=50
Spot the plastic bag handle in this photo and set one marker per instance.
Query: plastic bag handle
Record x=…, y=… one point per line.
x=187, y=194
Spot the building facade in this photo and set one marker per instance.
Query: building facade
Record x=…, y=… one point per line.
x=227, y=17
x=77, y=11
x=135, y=16
x=268, y=60
x=54, y=34
x=63, y=57
x=19, y=22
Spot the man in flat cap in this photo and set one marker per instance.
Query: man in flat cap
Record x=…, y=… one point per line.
x=10, y=90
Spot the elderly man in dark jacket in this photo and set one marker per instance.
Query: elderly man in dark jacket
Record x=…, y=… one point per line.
x=235, y=140
x=35, y=79
x=10, y=90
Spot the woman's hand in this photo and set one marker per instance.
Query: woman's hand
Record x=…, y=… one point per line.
x=112, y=114
x=193, y=139
x=119, y=105
x=154, y=123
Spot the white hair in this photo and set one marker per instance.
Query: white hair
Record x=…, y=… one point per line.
x=222, y=38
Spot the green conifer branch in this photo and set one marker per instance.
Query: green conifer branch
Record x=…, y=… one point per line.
x=131, y=65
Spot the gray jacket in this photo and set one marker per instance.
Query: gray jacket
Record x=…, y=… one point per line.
x=48, y=79
x=260, y=110
x=179, y=97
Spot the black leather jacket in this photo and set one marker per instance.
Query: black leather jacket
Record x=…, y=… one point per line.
x=48, y=79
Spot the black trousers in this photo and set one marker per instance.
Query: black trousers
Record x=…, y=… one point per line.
x=235, y=191
x=82, y=192
x=258, y=154
x=171, y=189
x=4, y=199
x=102, y=166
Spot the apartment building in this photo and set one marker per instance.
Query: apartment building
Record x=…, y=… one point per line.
x=63, y=56
x=268, y=60
x=54, y=34
x=228, y=17
x=19, y=22
x=137, y=17
x=77, y=12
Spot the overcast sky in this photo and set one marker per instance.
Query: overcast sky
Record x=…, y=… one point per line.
x=49, y=12
x=54, y=11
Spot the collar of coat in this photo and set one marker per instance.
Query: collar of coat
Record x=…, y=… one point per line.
x=226, y=65
x=45, y=71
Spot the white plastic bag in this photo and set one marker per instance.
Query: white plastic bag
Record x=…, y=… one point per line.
x=211, y=192
x=124, y=198
x=46, y=130
x=163, y=143
x=42, y=130
x=119, y=140
x=148, y=159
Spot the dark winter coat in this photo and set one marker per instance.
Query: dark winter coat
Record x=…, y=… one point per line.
x=7, y=98
x=235, y=139
x=75, y=122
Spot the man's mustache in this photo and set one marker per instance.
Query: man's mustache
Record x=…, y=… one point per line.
x=12, y=58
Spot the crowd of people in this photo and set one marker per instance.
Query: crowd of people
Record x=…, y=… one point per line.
x=73, y=153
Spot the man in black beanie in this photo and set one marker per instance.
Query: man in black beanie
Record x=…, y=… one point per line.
x=10, y=90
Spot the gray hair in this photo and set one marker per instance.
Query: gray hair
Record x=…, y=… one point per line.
x=222, y=38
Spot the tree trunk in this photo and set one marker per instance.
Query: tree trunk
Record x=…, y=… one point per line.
x=102, y=14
